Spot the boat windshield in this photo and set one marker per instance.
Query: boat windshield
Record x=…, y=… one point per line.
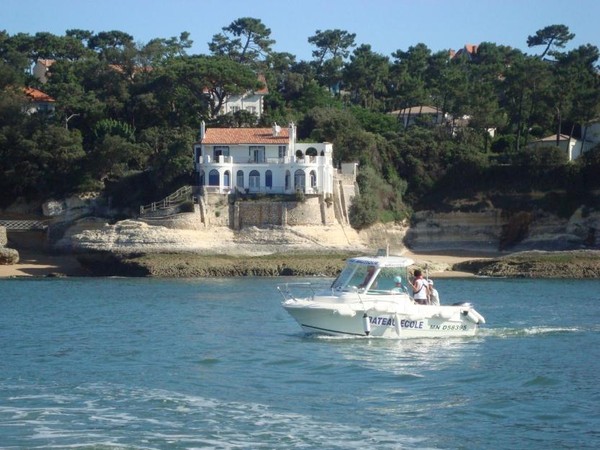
x=361, y=276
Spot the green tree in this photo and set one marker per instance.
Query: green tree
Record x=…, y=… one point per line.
x=552, y=35
x=366, y=75
x=110, y=44
x=527, y=88
x=408, y=77
x=245, y=41
x=333, y=47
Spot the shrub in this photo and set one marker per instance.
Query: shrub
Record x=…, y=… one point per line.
x=362, y=212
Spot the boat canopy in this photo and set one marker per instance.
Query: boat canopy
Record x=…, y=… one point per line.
x=369, y=273
x=383, y=261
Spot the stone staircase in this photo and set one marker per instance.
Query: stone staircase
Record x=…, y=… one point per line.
x=169, y=205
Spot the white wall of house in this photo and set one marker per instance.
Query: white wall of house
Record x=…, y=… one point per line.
x=40, y=69
x=591, y=136
x=250, y=102
x=570, y=146
x=268, y=168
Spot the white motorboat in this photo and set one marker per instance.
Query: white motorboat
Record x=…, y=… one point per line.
x=370, y=297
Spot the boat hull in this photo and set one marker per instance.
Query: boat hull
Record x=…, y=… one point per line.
x=329, y=321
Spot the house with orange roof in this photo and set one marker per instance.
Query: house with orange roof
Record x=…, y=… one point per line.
x=38, y=101
x=469, y=51
x=262, y=160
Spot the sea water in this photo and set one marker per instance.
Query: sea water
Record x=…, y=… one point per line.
x=218, y=364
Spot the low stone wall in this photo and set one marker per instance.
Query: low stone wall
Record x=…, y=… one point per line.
x=307, y=212
x=258, y=214
x=312, y=211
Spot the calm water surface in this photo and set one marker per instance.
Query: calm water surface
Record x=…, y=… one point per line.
x=186, y=364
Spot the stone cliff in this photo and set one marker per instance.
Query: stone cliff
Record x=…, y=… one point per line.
x=312, y=226
x=493, y=230
x=130, y=236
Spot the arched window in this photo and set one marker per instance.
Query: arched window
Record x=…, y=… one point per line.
x=269, y=179
x=227, y=179
x=313, y=179
x=287, y=180
x=311, y=151
x=254, y=180
x=239, y=179
x=299, y=154
x=213, y=177
x=201, y=178
x=299, y=180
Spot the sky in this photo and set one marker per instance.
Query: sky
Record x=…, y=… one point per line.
x=386, y=25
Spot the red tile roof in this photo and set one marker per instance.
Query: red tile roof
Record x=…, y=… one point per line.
x=46, y=62
x=471, y=48
x=37, y=96
x=232, y=136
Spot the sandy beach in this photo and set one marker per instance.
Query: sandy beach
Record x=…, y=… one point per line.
x=40, y=264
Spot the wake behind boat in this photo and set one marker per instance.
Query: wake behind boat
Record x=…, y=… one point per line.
x=370, y=297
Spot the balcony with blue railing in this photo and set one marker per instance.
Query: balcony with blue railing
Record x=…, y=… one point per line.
x=208, y=160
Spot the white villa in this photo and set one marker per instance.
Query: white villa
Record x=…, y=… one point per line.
x=251, y=101
x=262, y=160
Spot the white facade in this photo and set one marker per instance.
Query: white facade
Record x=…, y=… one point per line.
x=591, y=136
x=251, y=102
x=570, y=146
x=262, y=160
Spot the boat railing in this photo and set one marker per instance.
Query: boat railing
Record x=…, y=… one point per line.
x=291, y=291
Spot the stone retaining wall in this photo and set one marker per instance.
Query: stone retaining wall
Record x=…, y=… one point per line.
x=181, y=221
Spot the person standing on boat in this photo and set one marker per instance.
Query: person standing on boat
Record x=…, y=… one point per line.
x=434, y=296
x=420, y=288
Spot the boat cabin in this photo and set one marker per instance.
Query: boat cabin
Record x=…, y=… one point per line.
x=374, y=275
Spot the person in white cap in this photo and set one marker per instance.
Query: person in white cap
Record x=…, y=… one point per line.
x=398, y=285
x=434, y=297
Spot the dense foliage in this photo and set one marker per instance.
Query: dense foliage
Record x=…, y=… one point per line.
x=127, y=114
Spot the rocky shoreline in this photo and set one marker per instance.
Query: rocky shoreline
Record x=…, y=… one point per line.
x=536, y=264
x=134, y=249
x=191, y=265
x=574, y=264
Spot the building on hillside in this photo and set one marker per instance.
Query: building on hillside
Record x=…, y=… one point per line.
x=590, y=135
x=262, y=160
x=40, y=69
x=571, y=146
x=38, y=101
x=429, y=115
x=251, y=101
x=469, y=51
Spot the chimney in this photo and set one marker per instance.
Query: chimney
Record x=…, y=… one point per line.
x=276, y=129
x=202, y=130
